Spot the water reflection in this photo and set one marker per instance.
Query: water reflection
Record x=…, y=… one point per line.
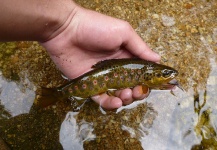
x=119, y=129
x=16, y=97
x=73, y=135
x=206, y=109
x=23, y=125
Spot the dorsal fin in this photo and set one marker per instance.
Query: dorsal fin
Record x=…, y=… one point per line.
x=103, y=63
x=109, y=62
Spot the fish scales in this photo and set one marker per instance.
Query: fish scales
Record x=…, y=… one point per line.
x=117, y=74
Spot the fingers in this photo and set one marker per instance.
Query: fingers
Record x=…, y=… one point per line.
x=124, y=97
x=137, y=46
x=107, y=102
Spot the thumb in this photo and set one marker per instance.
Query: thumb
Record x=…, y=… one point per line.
x=135, y=44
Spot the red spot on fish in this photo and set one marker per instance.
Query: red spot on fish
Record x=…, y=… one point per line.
x=103, y=85
x=84, y=86
x=115, y=75
x=70, y=90
x=122, y=78
x=76, y=87
x=94, y=82
x=106, y=78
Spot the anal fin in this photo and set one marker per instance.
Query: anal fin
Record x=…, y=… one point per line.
x=77, y=102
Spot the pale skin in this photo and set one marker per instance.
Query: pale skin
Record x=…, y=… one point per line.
x=76, y=38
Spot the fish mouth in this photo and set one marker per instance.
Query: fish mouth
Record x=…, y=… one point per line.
x=174, y=82
x=171, y=84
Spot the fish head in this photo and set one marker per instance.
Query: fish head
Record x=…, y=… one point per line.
x=161, y=76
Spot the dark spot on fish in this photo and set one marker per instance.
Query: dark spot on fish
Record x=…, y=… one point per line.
x=122, y=78
x=158, y=75
x=128, y=79
x=147, y=76
x=136, y=77
x=91, y=87
x=103, y=85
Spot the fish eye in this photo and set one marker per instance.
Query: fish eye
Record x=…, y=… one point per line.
x=166, y=72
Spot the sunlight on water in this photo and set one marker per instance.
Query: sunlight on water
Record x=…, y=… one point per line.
x=73, y=135
x=16, y=98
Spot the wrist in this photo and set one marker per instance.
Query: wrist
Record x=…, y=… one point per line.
x=57, y=20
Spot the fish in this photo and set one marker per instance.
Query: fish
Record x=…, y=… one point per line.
x=110, y=75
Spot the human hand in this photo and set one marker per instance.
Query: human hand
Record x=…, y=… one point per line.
x=89, y=37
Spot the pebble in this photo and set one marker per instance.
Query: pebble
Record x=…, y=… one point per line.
x=167, y=21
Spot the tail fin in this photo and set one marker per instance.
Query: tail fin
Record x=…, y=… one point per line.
x=46, y=97
x=49, y=96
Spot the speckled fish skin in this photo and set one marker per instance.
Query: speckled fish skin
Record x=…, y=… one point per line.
x=117, y=74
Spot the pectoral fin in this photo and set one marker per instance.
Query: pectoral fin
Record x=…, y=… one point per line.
x=145, y=89
x=77, y=102
x=111, y=92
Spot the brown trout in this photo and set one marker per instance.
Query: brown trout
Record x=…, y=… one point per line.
x=114, y=74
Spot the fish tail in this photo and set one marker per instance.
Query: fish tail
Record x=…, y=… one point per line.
x=46, y=97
